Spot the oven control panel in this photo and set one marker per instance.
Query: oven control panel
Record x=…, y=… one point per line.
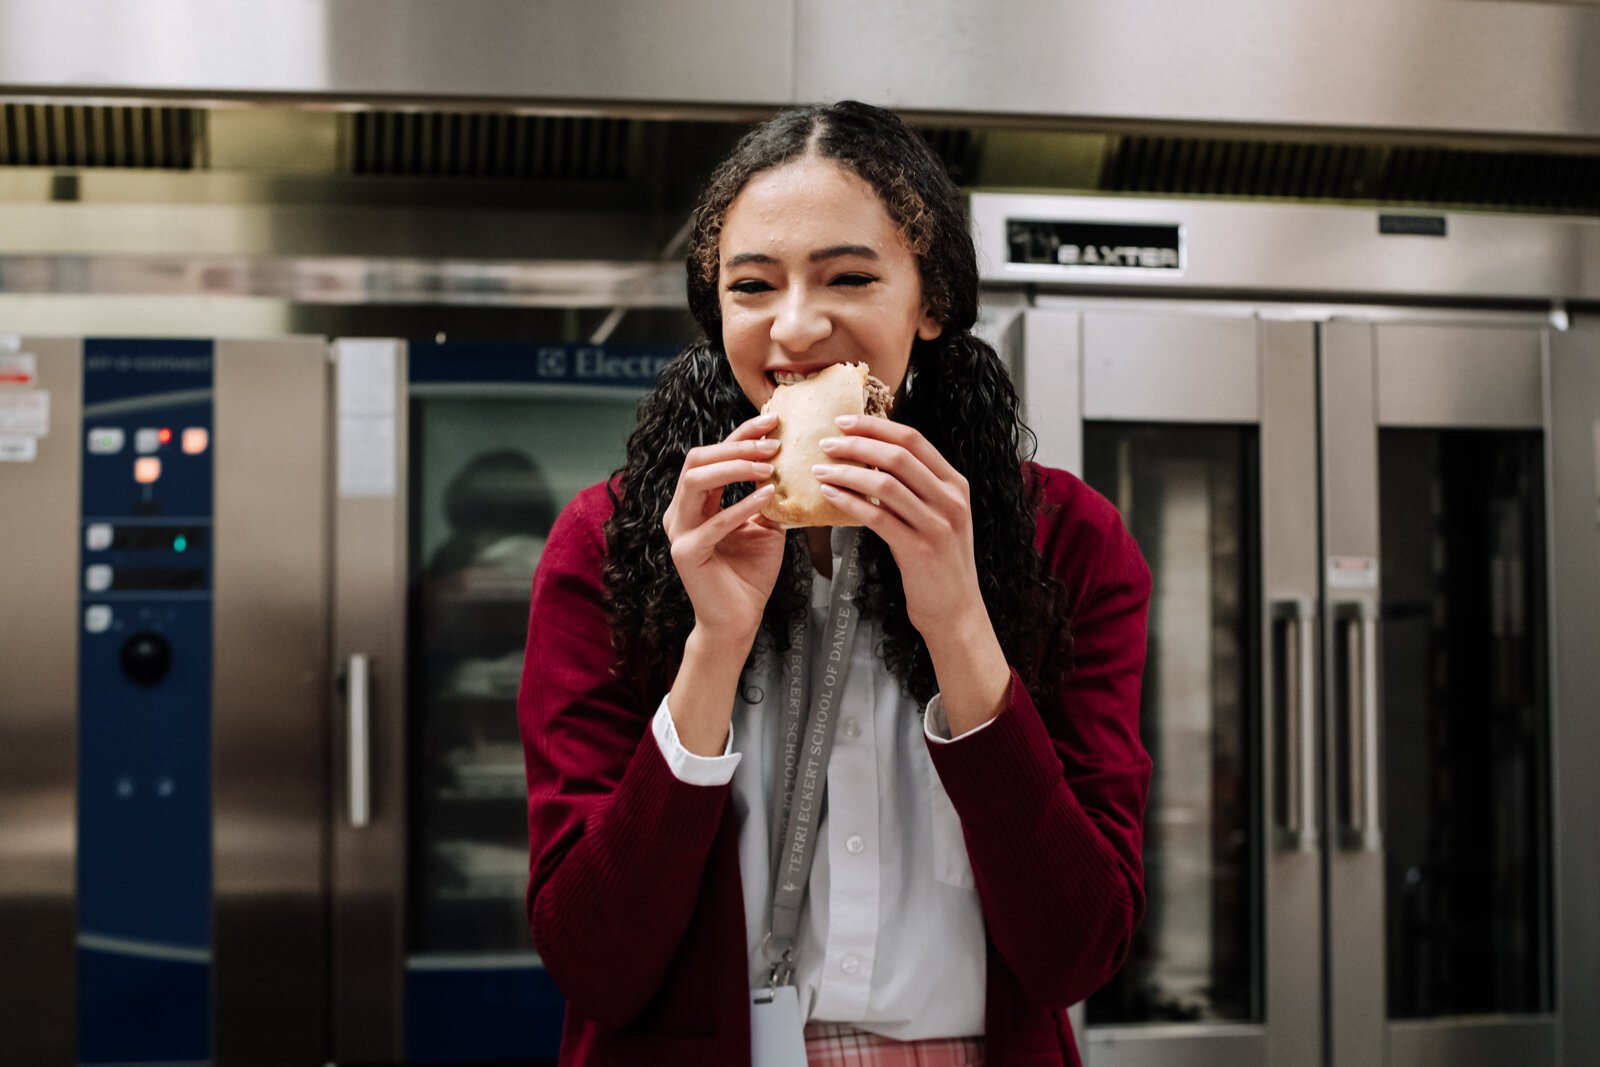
x=144, y=699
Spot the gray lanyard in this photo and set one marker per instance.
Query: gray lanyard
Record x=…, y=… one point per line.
x=805, y=742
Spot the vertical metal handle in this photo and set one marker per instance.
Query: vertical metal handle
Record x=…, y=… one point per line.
x=1358, y=639
x=1295, y=649
x=359, y=745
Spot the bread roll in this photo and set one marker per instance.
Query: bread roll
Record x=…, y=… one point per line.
x=806, y=411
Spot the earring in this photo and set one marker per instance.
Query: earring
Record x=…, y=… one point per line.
x=911, y=376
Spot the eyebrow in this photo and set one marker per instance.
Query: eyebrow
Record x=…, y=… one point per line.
x=838, y=251
x=821, y=254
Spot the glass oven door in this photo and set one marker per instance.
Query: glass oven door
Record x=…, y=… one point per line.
x=455, y=460
x=1200, y=427
x=1440, y=695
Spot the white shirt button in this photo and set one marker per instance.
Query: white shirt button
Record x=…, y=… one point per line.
x=850, y=965
x=854, y=845
x=852, y=728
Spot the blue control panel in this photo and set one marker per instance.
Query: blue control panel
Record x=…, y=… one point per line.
x=144, y=703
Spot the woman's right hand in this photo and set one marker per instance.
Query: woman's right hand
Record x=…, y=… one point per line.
x=727, y=558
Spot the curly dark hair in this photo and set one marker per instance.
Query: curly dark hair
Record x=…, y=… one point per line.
x=962, y=401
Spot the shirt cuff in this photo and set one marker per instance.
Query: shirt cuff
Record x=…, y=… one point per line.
x=685, y=765
x=937, y=726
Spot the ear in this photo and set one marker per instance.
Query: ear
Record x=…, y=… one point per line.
x=929, y=328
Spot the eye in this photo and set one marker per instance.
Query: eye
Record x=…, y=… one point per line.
x=854, y=279
x=752, y=285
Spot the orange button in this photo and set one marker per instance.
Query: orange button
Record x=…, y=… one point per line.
x=146, y=469
x=195, y=439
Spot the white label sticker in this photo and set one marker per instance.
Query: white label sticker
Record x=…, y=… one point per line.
x=19, y=449
x=366, y=455
x=366, y=377
x=25, y=413
x=1352, y=572
x=19, y=369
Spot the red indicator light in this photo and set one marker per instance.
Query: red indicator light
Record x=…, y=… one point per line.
x=165, y=436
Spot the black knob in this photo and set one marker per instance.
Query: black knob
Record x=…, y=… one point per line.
x=146, y=657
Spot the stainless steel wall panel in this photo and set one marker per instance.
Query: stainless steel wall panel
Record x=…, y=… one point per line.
x=1413, y=65
x=347, y=280
x=1311, y=250
x=572, y=237
x=270, y=704
x=368, y=871
x=1574, y=466
x=1470, y=376
x=1166, y=369
x=39, y=535
x=693, y=51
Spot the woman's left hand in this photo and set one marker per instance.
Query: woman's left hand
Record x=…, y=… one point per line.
x=924, y=514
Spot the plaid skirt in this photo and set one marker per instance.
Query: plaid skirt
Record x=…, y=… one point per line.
x=842, y=1045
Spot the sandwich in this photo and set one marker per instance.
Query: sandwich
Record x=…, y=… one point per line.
x=806, y=410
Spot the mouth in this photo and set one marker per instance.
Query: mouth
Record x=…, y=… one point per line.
x=789, y=377
x=792, y=377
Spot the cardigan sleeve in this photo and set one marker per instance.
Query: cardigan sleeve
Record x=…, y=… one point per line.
x=617, y=843
x=1051, y=798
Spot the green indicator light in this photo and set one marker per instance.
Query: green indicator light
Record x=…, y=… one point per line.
x=180, y=543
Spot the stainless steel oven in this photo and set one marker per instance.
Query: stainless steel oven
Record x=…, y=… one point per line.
x=453, y=460
x=1370, y=694
x=163, y=651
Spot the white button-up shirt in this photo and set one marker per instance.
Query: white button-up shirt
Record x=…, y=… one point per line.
x=891, y=935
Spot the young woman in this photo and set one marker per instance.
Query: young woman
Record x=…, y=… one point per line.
x=971, y=866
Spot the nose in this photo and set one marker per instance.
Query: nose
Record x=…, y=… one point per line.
x=801, y=320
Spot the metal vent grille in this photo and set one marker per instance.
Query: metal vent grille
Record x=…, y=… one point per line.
x=69, y=135
x=958, y=149
x=1305, y=171
x=1535, y=181
x=466, y=145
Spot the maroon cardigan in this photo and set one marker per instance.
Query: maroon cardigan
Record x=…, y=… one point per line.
x=634, y=897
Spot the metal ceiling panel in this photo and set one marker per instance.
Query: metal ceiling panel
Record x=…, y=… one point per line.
x=1413, y=65
x=686, y=52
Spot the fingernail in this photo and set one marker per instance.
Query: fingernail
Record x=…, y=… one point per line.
x=828, y=444
x=768, y=418
x=845, y=421
x=830, y=490
x=763, y=470
x=766, y=490
x=766, y=443
x=821, y=470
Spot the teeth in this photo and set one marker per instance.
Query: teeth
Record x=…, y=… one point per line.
x=786, y=378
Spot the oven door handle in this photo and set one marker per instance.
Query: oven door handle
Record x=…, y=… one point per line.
x=358, y=690
x=1358, y=645
x=1294, y=699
